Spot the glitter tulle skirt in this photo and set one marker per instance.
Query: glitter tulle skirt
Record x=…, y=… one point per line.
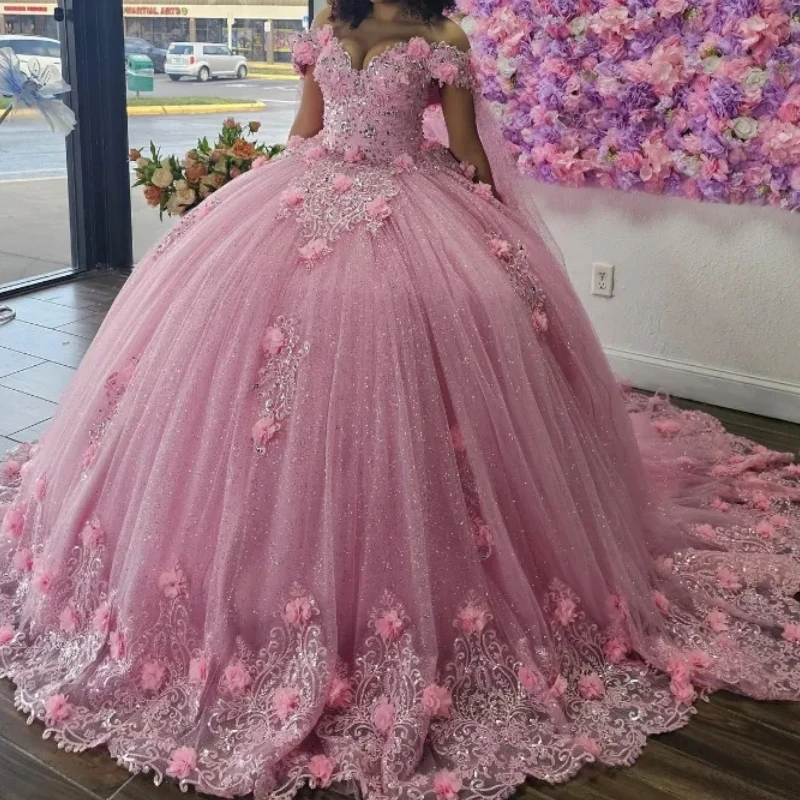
x=345, y=490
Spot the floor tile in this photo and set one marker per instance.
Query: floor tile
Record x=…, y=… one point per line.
x=52, y=345
x=19, y=411
x=12, y=361
x=48, y=315
x=6, y=445
x=30, y=434
x=47, y=380
x=86, y=327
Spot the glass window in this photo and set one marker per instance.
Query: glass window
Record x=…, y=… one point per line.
x=181, y=49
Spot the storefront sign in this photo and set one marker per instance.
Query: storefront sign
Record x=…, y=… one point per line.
x=17, y=9
x=156, y=11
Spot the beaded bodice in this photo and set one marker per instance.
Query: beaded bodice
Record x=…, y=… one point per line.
x=377, y=111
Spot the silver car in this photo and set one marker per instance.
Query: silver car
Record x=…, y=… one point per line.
x=203, y=61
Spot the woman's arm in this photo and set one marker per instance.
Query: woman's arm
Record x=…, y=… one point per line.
x=308, y=121
x=459, y=114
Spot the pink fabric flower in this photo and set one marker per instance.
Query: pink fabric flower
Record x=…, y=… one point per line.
x=89, y=455
x=667, y=427
x=447, y=784
x=389, y=625
x=92, y=535
x=11, y=469
x=383, y=716
x=117, y=645
x=418, y=49
x=699, y=660
x=765, y=531
x=182, y=762
x=264, y=430
x=43, y=580
x=298, y=611
x=285, y=701
x=40, y=489
x=564, y=613
x=437, y=700
x=469, y=171
x=236, y=678
x=57, y=708
x=304, y=53
x=706, y=532
x=589, y=744
x=541, y=322
x=7, y=633
x=172, y=582
x=152, y=676
x=292, y=197
x=342, y=183
x=321, y=770
x=483, y=190
x=679, y=668
x=472, y=619
x=445, y=72
x=501, y=248
x=615, y=650
x=720, y=505
x=717, y=620
x=314, y=250
x=661, y=601
x=315, y=154
x=729, y=580
x=682, y=690
x=101, y=620
x=378, y=209
x=403, y=162
x=340, y=692
x=273, y=341
x=591, y=687
x=352, y=155
x=791, y=632
x=198, y=670
x=23, y=560
x=14, y=522
x=68, y=619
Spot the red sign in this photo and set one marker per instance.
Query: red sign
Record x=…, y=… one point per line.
x=26, y=9
x=155, y=11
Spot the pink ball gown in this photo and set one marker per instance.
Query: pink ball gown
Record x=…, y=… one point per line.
x=344, y=490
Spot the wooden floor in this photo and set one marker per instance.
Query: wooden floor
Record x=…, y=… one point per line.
x=735, y=749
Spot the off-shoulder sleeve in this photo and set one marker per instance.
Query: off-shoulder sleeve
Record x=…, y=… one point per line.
x=305, y=49
x=451, y=66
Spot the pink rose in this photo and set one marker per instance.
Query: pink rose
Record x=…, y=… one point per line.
x=791, y=633
x=314, y=250
x=14, y=522
x=152, y=676
x=298, y=611
x=661, y=601
x=7, y=633
x=172, y=582
x=445, y=72
x=23, y=560
x=57, y=708
x=304, y=53
x=591, y=687
x=11, y=469
x=101, y=619
x=615, y=650
x=92, y=535
x=389, y=625
x=321, y=770
x=669, y=8
x=340, y=693
x=471, y=619
x=501, y=248
x=273, y=341
x=678, y=668
x=729, y=580
x=564, y=613
x=236, y=678
x=530, y=679
x=285, y=701
x=342, y=183
x=68, y=619
x=717, y=620
x=447, y=784
x=292, y=197
x=378, y=209
x=264, y=430
x=418, y=49
x=383, y=716
x=198, y=670
x=117, y=645
x=437, y=700
x=43, y=580
x=182, y=762
x=589, y=744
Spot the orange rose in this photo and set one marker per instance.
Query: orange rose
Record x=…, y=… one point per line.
x=152, y=194
x=254, y=126
x=217, y=154
x=134, y=154
x=195, y=171
x=242, y=149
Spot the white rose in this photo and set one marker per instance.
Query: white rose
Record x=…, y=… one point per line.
x=186, y=196
x=173, y=205
x=181, y=185
x=496, y=109
x=166, y=163
x=745, y=128
x=690, y=165
x=506, y=66
x=711, y=63
x=468, y=25
x=577, y=26
x=142, y=162
x=755, y=79
x=162, y=178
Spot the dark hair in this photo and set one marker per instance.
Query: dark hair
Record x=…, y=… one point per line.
x=356, y=11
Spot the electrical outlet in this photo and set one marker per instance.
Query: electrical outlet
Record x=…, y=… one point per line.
x=603, y=280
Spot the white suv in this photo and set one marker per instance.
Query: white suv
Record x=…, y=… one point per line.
x=203, y=61
x=38, y=56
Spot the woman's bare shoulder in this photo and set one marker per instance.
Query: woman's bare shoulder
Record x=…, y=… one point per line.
x=448, y=32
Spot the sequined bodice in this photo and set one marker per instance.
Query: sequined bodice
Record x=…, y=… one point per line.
x=377, y=111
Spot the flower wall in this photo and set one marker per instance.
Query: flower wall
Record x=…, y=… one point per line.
x=699, y=98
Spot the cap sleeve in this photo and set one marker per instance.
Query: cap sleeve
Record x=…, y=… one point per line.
x=450, y=66
x=305, y=49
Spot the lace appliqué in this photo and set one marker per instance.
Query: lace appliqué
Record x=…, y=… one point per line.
x=514, y=261
x=277, y=378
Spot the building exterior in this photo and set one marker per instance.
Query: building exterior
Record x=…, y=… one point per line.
x=259, y=29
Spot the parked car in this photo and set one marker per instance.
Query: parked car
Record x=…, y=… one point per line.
x=136, y=46
x=203, y=61
x=38, y=56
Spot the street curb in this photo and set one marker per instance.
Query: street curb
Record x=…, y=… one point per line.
x=154, y=111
